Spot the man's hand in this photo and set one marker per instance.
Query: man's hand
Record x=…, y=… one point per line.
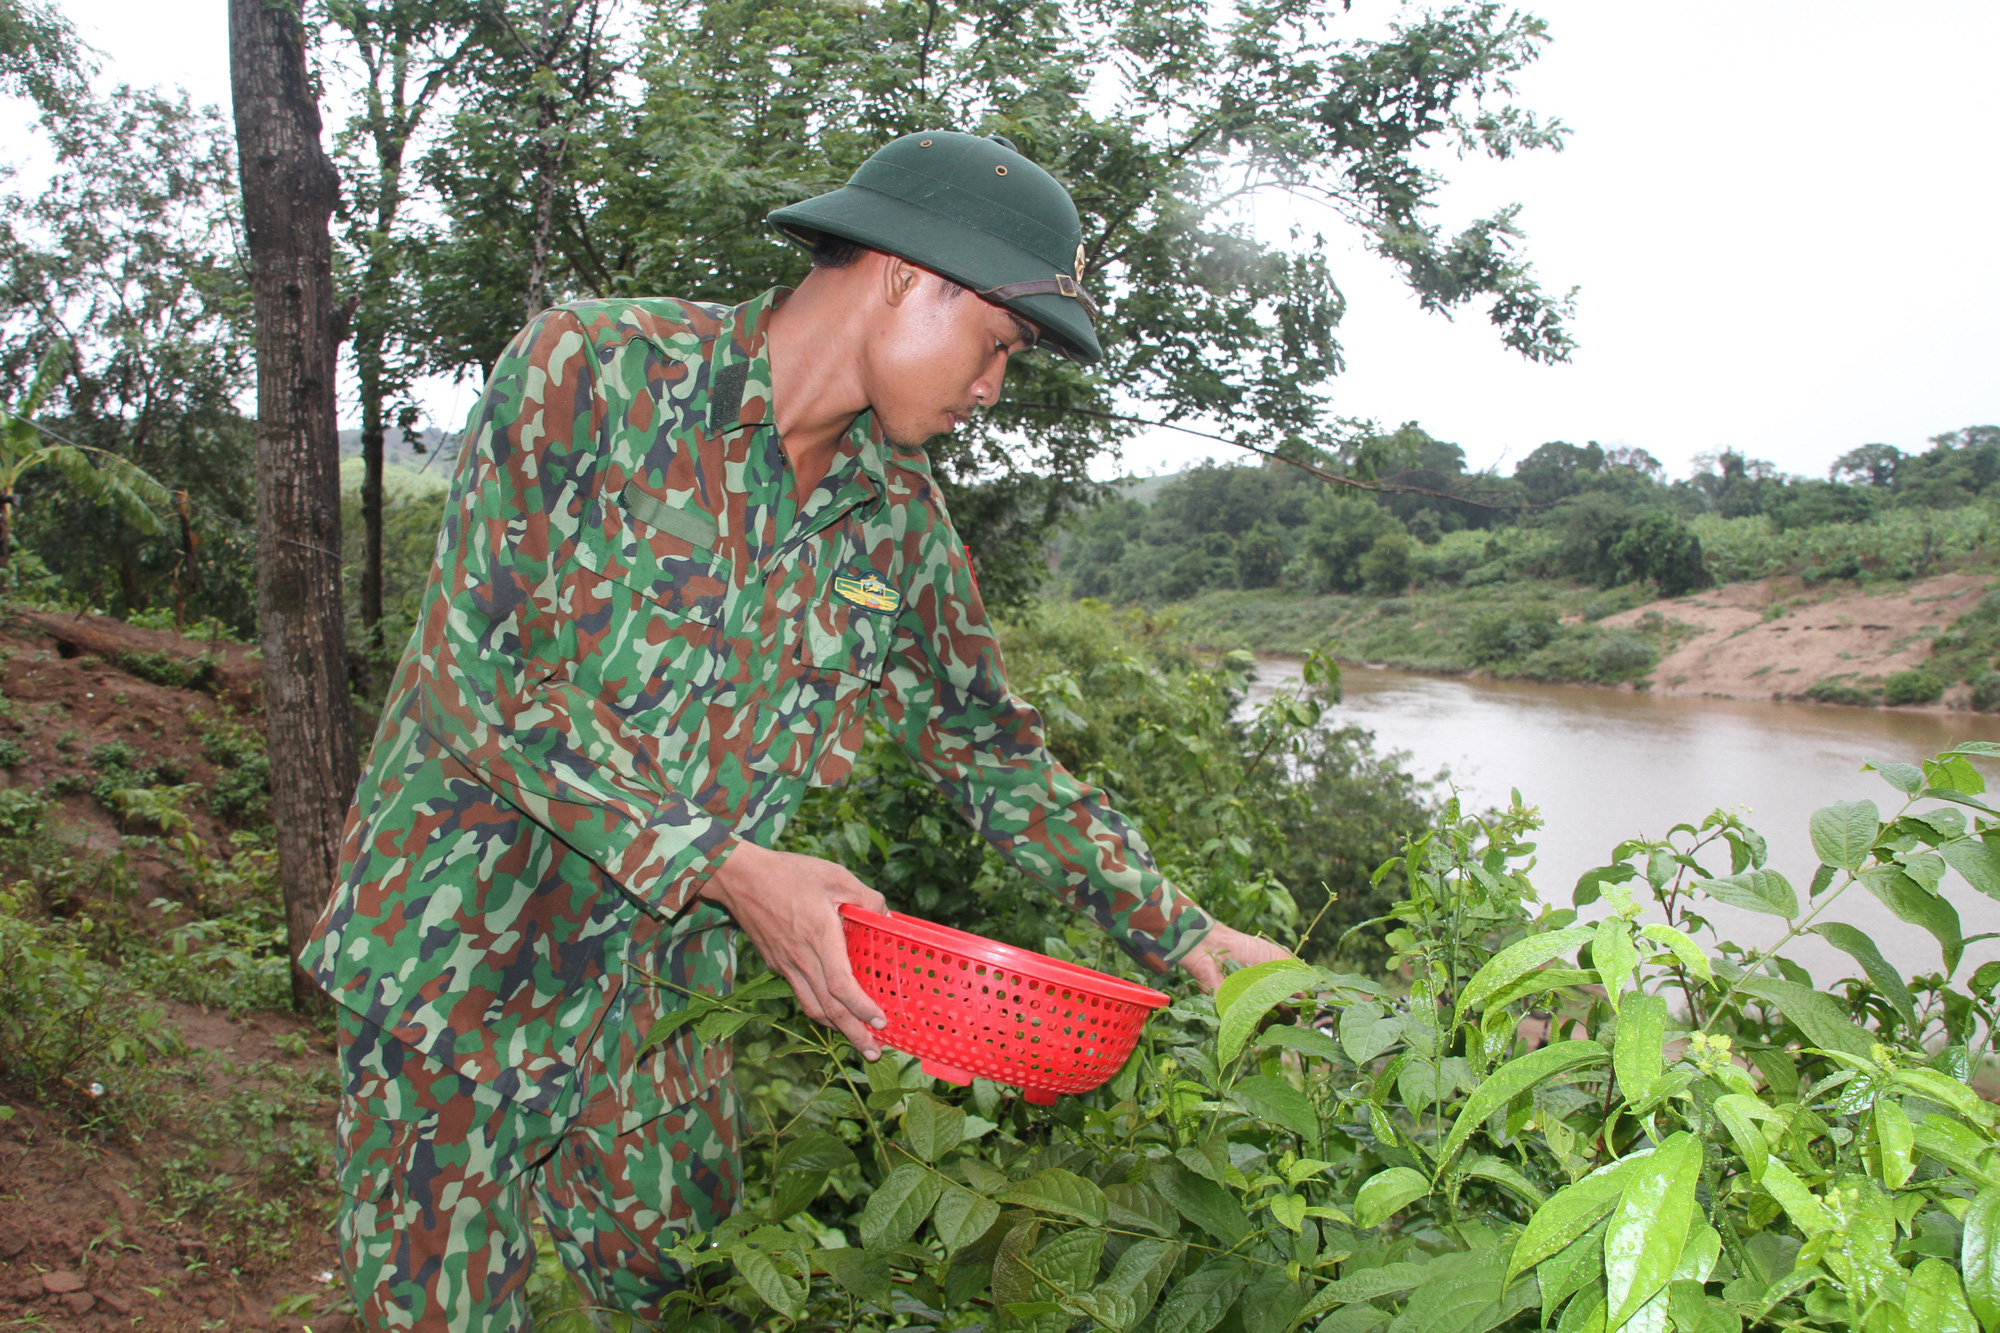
x=1204, y=961
x=789, y=905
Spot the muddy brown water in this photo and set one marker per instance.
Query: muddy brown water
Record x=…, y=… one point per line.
x=1604, y=765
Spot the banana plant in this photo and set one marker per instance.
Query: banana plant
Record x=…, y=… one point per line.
x=98, y=474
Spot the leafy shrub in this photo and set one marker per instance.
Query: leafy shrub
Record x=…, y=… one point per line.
x=1620, y=655
x=20, y=812
x=1623, y=1123
x=67, y=1022
x=1843, y=690
x=242, y=791
x=1385, y=568
x=1659, y=548
x=1917, y=686
x=13, y=754
x=1514, y=632
x=181, y=673
x=1986, y=690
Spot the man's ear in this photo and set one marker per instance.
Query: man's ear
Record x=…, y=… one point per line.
x=899, y=279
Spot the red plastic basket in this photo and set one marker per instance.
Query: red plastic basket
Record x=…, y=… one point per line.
x=967, y=1006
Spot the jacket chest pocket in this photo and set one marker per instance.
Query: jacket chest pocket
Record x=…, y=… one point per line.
x=845, y=639
x=648, y=616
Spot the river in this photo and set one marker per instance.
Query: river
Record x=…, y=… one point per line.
x=1604, y=765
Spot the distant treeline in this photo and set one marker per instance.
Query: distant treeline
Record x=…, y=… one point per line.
x=1580, y=512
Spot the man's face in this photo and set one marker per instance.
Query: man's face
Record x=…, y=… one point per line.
x=937, y=355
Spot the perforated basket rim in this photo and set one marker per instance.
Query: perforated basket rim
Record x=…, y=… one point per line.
x=995, y=954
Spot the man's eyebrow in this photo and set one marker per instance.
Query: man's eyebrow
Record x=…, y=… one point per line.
x=1026, y=332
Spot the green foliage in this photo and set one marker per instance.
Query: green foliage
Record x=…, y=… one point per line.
x=1845, y=689
x=1697, y=1139
x=1986, y=691
x=748, y=106
x=71, y=1029
x=1257, y=818
x=126, y=295
x=1918, y=686
x=251, y=1170
x=241, y=794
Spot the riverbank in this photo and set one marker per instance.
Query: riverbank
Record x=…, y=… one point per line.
x=1924, y=642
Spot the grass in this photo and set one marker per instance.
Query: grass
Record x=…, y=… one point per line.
x=1515, y=630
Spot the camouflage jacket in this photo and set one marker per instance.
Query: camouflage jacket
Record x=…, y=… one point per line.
x=638, y=647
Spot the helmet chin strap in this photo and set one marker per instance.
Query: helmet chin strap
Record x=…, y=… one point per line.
x=1062, y=284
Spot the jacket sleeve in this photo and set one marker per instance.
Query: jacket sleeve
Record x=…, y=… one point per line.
x=945, y=699
x=492, y=656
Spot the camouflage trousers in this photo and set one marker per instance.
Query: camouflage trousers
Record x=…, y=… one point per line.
x=437, y=1174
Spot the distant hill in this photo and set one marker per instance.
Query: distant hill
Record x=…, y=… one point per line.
x=411, y=453
x=1145, y=489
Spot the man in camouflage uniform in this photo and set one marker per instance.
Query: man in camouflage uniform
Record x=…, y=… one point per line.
x=689, y=551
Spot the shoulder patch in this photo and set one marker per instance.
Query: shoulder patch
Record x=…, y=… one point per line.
x=725, y=396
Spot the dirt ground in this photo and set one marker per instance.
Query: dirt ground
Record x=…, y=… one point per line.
x=84, y=1246
x=1775, y=637
x=89, y=1239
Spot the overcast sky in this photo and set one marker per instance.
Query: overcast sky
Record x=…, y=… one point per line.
x=1781, y=216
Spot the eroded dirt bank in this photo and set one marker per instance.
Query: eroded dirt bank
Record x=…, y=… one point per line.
x=1775, y=638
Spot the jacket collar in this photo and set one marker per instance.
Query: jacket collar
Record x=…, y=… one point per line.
x=739, y=387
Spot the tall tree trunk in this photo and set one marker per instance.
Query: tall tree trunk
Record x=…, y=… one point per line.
x=368, y=370
x=289, y=192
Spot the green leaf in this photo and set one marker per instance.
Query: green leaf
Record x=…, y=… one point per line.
x=1843, y=834
x=1821, y=1017
x=1979, y=1256
x=1462, y=1293
x=1304, y=1040
x=1913, y=903
x=1141, y=1273
x=1054, y=1190
x=932, y=1127
x=775, y=1289
x=1365, y=1033
x=899, y=1206
x=1069, y=1262
x=719, y=1025
x=1886, y=980
x=1649, y=1227
x=1512, y=1079
x=1956, y=1146
x=1976, y=861
x=1140, y=1206
x=1517, y=960
x=1272, y=1099
x=1895, y=1141
x=1573, y=1268
x=1953, y=772
x=1639, y=1053
x=1013, y=1281
x=1246, y=997
x=1204, y=1296
x=1367, y=1284
x=1686, y=950
x=1202, y=1202
x=1568, y=1214
x=1387, y=1192
x=1504, y=1175
x=1289, y=1210
x=1612, y=954
x=814, y=1150
x=1945, y=1090
x=1764, y=891
x=667, y=1026
x=1808, y=1214
x=962, y=1217
x=1905, y=778
x=793, y=1190
x=1738, y=1112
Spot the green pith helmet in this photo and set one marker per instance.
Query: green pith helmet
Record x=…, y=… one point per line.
x=975, y=211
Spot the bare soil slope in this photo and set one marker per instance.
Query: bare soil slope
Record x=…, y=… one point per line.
x=1775, y=638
